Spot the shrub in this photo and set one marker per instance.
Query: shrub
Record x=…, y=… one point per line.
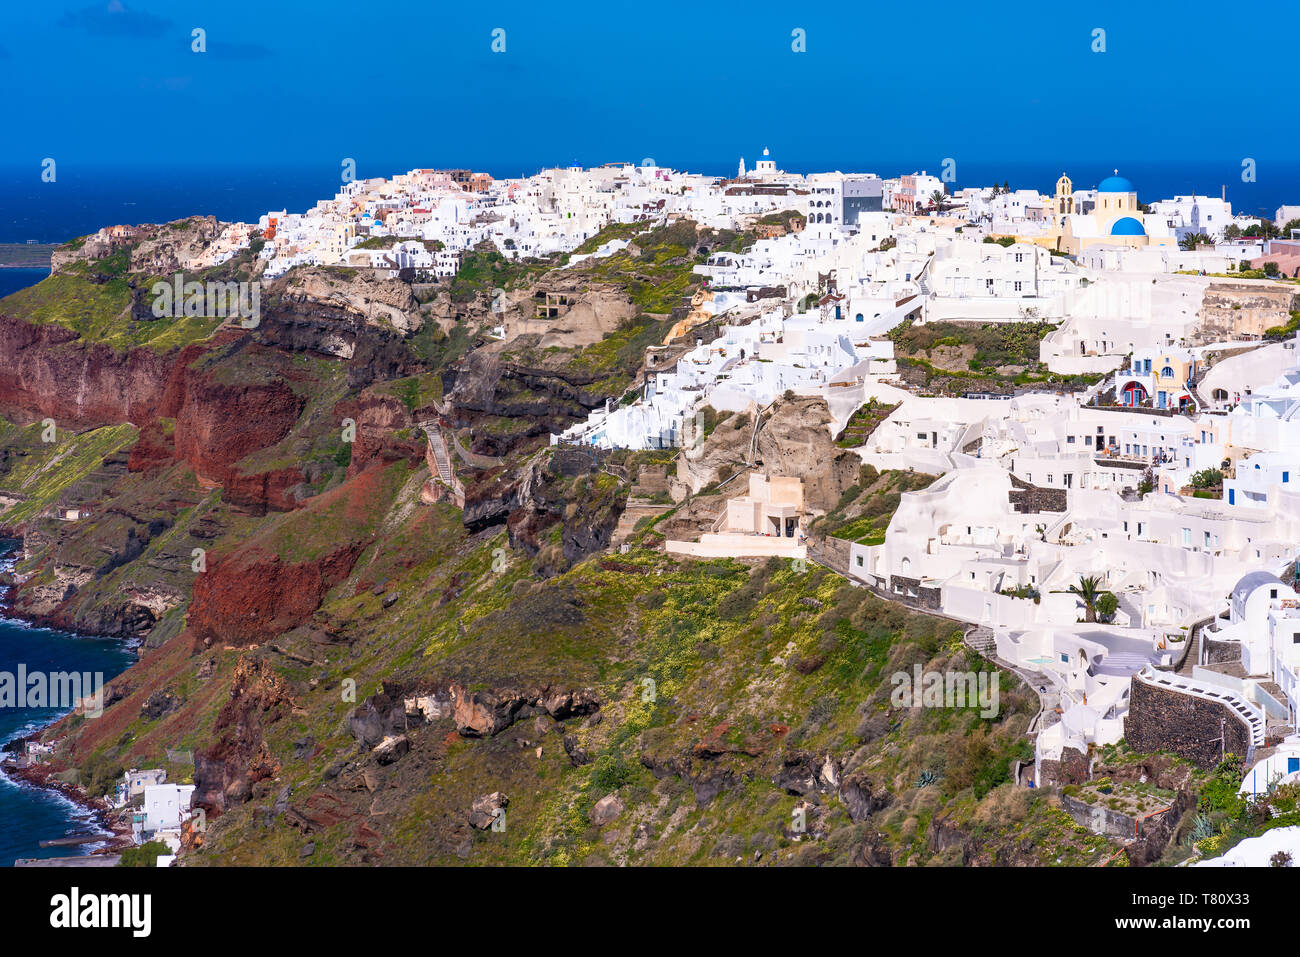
x=146, y=855
x=1207, y=478
x=609, y=773
x=1107, y=605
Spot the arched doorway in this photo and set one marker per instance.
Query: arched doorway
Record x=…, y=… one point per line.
x=1134, y=394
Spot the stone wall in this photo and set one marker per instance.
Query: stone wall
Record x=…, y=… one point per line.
x=1155, y=832
x=927, y=597
x=832, y=552
x=1218, y=652
x=1026, y=498
x=1231, y=310
x=1147, y=836
x=1072, y=768
x=1160, y=719
x=1098, y=818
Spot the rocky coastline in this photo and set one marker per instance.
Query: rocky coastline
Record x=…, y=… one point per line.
x=42, y=775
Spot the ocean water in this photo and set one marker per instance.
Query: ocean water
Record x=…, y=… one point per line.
x=30, y=815
x=11, y=280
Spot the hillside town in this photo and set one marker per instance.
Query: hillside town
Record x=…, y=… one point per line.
x=1109, y=513
x=1124, y=543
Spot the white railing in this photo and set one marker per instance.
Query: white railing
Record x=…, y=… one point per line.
x=1250, y=715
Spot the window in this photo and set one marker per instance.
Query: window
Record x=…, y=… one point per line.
x=1187, y=537
x=859, y=561
x=1069, y=440
x=1272, y=593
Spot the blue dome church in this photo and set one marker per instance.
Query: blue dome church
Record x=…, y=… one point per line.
x=1116, y=219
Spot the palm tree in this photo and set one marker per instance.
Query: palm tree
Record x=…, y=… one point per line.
x=1088, y=589
x=939, y=200
x=1192, y=240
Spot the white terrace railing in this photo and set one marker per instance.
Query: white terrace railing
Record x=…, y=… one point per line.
x=1249, y=715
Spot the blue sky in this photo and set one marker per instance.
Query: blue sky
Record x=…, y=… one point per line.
x=689, y=84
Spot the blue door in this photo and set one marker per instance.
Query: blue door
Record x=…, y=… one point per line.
x=1292, y=765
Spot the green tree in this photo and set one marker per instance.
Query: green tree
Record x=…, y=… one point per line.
x=1088, y=589
x=1192, y=240
x=1107, y=604
x=1207, y=478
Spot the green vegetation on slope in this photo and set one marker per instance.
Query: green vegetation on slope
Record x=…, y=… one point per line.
x=93, y=299
x=39, y=472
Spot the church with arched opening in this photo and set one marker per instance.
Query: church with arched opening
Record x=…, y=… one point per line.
x=1116, y=218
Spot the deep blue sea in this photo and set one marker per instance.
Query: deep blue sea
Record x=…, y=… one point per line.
x=11, y=280
x=30, y=815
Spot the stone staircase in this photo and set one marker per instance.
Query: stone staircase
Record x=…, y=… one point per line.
x=1193, y=657
x=438, y=445
x=446, y=486
x=1130, y=608
x=981, y=639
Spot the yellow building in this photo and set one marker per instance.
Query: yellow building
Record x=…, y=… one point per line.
x=1157, y=379
x=1116, y=219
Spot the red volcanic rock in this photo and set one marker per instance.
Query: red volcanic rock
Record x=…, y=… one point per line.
x=378, y=418
x=152, y=451
x=225, y=772
x=260, y=491
x=218, y=423
x=45, y=371
x=251, y=595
